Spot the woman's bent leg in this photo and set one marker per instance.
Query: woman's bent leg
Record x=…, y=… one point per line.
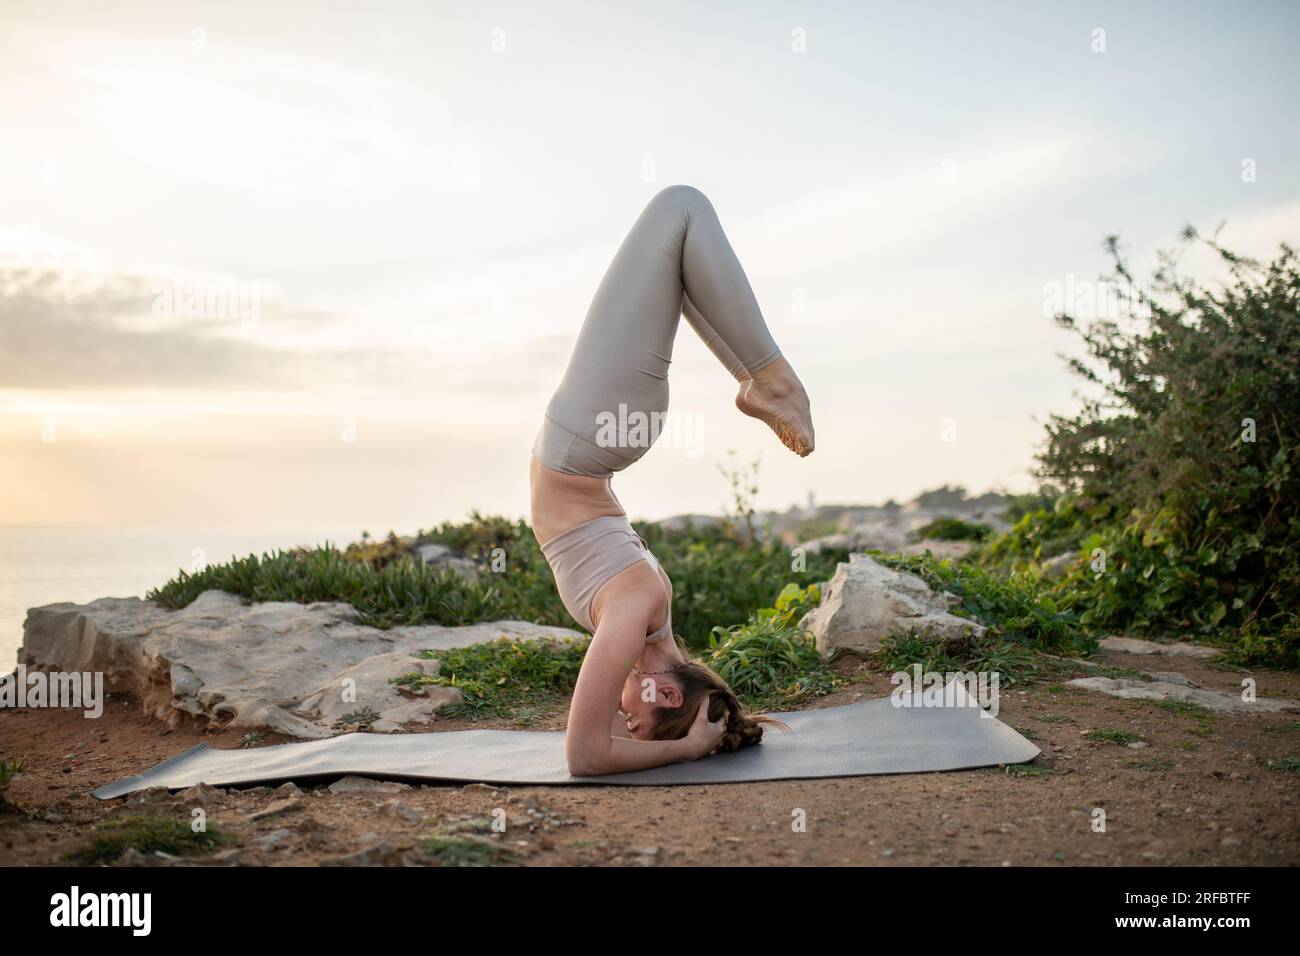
x=609, y=407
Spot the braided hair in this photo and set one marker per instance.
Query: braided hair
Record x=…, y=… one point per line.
x=697, y=681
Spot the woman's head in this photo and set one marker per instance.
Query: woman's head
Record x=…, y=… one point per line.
x=675, y=702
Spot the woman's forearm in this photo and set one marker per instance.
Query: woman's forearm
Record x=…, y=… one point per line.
x=627, y=753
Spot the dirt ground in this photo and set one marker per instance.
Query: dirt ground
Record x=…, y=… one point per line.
x=1198, y=793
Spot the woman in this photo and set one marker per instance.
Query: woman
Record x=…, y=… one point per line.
x=638, y=701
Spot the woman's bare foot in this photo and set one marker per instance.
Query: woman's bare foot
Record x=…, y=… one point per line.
x=775, y=396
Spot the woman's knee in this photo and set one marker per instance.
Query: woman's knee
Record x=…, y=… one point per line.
x=681, y=196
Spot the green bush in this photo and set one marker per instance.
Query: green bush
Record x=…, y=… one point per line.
x=952, y=529
x=1044, y=532
x=1181, y=474
x=1020, y=606
x=770, y=661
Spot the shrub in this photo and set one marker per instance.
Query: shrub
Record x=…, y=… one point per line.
x=1021, y=607
x=1188, y=462
x=952, y=529
x=770, y=661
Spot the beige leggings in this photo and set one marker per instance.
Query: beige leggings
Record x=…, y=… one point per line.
x=676, y=259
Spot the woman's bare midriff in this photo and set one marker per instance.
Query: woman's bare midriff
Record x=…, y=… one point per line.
x=561, y=502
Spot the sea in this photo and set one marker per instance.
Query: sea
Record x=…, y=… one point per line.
x=40, y=566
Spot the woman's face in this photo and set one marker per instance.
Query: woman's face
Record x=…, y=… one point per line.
x=640, y=711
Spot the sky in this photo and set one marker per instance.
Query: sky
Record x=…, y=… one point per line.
x=293, y=265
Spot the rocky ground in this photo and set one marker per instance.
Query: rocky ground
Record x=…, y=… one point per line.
x=1196, y=788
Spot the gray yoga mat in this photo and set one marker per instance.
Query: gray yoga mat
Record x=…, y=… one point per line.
x=872, y=737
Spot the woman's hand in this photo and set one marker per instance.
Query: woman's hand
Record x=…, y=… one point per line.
x=705, y=735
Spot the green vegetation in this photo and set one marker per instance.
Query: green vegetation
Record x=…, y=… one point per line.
x=1016, y=605
x=1013, y=662
x=8, y=770
x=1185, y=709
x=1022, y=770
x=1178, y=481
x=506, y=677
x=362, y=718
x=1152, y=764
x=769, y=661
x=148, y=833
x=952, y=529
x=1284, y=764
x=451, y=850
x=1113, y=736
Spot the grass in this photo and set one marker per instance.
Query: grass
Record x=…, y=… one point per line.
x=363, y=718
x=770, y=661
x=1152, y=764
x=464, y=843
x=461, y=851
x=1111, y=671
x=1284, y=764
x=148, y=833
x=1025, y=770
x=8, y=770
x=1014, y=663
x=1113, y=736
x=1185, y=709
x=505, y=678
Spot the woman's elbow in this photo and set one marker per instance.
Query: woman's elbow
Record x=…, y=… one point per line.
x=583, y=763
x=582, y=767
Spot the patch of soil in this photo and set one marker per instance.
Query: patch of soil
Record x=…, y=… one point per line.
x=1198, y=793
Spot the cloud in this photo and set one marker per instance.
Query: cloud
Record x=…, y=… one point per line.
x=63, y=332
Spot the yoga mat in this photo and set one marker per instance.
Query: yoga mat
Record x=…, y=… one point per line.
x=872, y=737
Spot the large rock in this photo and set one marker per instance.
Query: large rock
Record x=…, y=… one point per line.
x=297, y=669
x=865, y=602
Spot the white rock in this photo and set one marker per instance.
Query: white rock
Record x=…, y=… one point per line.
x=1131, y=645
x=865, y=602
x=443, y=556
x=276, y=665
x=1057, y=567
x=355, y=784
x=1165, y=690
